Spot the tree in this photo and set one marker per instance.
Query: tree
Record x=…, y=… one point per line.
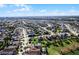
x=7, y=40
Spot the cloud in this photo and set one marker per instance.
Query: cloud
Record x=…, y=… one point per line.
x=20, y=5
x=21, y=8
x=2, y=5
x=72, y=7
x=43, y=10
x=71, y=12
x=64, y=13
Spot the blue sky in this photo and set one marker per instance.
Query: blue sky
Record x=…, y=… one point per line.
x=12, y=10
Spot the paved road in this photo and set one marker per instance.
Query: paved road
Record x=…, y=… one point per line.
x=24, y=39
x=70, y=29
x=44, y=28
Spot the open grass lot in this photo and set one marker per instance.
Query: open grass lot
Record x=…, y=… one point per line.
x=60, y=47
x=67, y=47
x=75, y=52
x=53, y=51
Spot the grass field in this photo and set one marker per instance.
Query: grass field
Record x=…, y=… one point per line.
x=75, y=52
x=68, y=45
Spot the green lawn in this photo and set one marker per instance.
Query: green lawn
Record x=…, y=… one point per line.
x=34, y=40
x=56, y=47
x=52, y=51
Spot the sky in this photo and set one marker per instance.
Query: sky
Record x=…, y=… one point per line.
x=15, y=10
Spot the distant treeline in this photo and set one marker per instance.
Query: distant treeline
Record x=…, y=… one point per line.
x=67, y=18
